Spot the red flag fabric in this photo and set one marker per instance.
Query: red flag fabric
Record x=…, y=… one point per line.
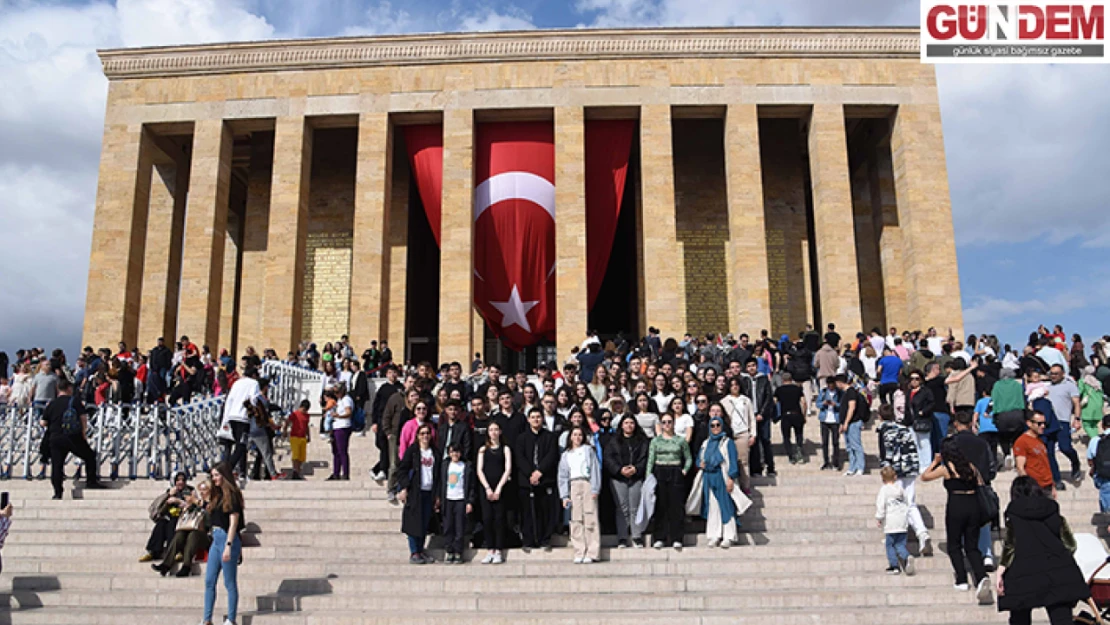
x=514, y=230
x=608, y=143
x=425, y=148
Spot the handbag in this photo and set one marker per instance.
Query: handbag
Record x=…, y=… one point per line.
x=988, y=499
x=156, y=506
x=191, y=520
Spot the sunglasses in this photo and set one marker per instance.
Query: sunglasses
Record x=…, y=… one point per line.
x=667, y=421
x=716, y=426
x=1038, y=422
x=421, y=409
x=913, y=378
x=701, y=401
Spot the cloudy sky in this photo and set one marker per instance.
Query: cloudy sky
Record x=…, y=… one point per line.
x=1026, y=144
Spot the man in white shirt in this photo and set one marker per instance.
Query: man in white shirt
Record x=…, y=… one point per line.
x=934, y=342
x=235, y=429
x=891, y=336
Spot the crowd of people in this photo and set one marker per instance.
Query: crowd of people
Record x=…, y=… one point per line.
x=631, y=438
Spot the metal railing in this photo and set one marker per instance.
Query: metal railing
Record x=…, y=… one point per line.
x=134, y=441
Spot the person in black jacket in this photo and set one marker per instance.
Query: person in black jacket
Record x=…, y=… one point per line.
x=919, y=416
x=381, y=470
x=536, y=456
x=418, y=476
x=625, y=461
x=458, y=493
x=453, y=429
x=1037, y=569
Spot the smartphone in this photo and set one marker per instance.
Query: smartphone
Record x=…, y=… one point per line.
x=3, y=500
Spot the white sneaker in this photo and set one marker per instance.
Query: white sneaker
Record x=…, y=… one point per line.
x=713, y=542
x=984, y=593
x=587, y=560
x=961, y=587
x=488, y=559
x=725, y=544
x=657, y=544
x=1008, y=462
x=850, y=474
x=578, y=560
x=228, y=622
x=908, y=567
x=497, y=559
x=988, y=563
x=677, y=546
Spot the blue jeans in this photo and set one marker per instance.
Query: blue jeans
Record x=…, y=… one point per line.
x=896, y=548
x=985, y=542
x=231, y=574
x=853, y=442
x=1103, y=494
x=1061, y=437
x=940, y=430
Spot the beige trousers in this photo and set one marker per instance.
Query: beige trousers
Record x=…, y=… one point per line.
x=742, y=451
x=585, y=536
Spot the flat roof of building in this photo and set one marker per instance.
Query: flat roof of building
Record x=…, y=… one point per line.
x=511, y=46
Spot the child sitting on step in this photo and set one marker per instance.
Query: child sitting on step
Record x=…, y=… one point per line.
x=891, y=514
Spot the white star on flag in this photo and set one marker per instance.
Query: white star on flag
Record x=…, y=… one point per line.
x=515, y=311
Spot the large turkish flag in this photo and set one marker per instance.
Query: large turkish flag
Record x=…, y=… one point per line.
x=514, y=230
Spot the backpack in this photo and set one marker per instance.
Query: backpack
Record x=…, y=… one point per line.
x=864, y=394
x=1102, y=458
x=71, y=420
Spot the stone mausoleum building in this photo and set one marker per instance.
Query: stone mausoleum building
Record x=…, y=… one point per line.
x=262, y=193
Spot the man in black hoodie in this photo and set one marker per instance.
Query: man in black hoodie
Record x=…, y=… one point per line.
x=536, y=456
x=454, y=430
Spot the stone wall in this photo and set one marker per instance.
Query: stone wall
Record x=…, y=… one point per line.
x=786, y=223
x=327, y=285
x=701, y=218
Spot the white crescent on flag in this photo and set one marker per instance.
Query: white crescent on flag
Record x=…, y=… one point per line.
x=513, y=185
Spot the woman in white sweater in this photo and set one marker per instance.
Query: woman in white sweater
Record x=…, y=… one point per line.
x=579, y=486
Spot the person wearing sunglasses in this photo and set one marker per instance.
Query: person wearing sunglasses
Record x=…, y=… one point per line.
x=1031, y=454
x=625, y=461
x=719, y=473
x=919, y=416
x=669, y=460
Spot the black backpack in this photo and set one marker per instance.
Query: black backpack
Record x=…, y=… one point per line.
x=71, y=419
x=1102, y=458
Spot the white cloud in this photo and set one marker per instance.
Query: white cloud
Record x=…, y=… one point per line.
x=615, y=13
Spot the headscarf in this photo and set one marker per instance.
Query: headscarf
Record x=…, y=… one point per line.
x=712, y=457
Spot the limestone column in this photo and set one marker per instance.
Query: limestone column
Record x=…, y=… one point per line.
x=256, y=229
x=373, y=180
x=119, y=237
x=571, y=292
x=925, y=217
x=205, y=232
x=664, y=300
x=748, y=278
x=397, y=256
x=285, y=248
x=834, y=234
x=456, y=292
x=162, y=267
x=892, y=265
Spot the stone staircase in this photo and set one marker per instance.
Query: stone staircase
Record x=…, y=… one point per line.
x=331, y=553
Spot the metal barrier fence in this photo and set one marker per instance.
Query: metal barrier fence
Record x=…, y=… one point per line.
x=153, y=441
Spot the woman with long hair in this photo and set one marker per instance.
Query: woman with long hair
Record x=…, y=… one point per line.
x=1037, y=569
x=590, y=413
x=962, y=516
x=683, y=421
x=581, y=392
x=530, y=397
x=661, y=393
x=225, y=515
x=564, y=405
x=626, y=466
x=579, y=487
x=495, y=466
x=417, y=483
x=669, y=460
x=644, y=409
x=599, y=384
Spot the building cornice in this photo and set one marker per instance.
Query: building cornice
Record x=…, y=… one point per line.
x=539, y=45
